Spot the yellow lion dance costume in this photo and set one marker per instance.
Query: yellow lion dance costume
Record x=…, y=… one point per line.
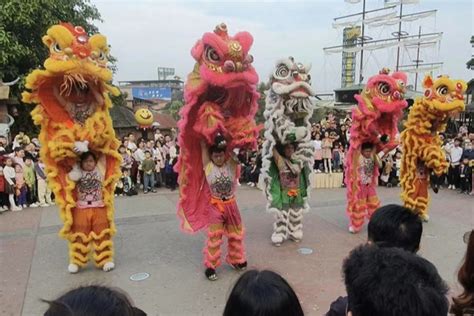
x=73, y=112
x=422, y=152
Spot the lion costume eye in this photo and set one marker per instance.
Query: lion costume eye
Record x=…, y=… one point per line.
x=212, y=55
x=282, y=72
x=442, y=90
x=57, y=48
x=102, y=56
x=384, y=88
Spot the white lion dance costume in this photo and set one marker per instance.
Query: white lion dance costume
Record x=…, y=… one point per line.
x=72, y=94
x=287, y=151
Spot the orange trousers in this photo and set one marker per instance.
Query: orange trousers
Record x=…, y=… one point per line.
x=367, y=203
x=90, y=230
x=224, y=220
x=419, y=198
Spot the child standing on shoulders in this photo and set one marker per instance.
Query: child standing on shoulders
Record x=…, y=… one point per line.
x=30, y=179
x=90, y=216
x=148, y=167
x=3, y=193
x=44, y=192
x=224, y=217
x=367, y=200
x=10, y=177
x=21, y=190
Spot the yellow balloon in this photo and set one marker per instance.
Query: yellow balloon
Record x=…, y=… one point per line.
x=144, y=117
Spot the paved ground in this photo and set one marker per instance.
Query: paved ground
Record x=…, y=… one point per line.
x=34, y=260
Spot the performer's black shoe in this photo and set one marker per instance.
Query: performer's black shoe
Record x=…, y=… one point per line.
x=240, y=266
x=210, y=274
x=434, y=180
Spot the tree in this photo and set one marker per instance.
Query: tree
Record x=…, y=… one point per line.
x=470, y=63
x=120, y=100
x=262, y=87
x=22, y=25
x=174, y=107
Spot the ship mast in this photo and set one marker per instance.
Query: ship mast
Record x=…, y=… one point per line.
x=355, y=39
x=399, y=34
x=361, y=77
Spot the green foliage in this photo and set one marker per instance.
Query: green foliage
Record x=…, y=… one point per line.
x=261, y=103
x=174, y=107
x=120, y=100
x=22, y=25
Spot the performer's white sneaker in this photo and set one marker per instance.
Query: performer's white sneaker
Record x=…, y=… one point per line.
x=73, y=268
x=109, y=266
x=353, y=230
x=277, y=239
x=296, y=236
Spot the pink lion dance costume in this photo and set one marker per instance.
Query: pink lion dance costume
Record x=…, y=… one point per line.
x=374, y=121
x=221, y=98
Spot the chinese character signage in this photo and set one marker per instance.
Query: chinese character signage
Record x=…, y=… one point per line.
x=150, y=93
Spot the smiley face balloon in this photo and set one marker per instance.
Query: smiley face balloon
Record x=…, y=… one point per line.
x=144, y=117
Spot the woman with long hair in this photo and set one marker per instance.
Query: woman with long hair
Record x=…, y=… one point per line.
x=464, y=303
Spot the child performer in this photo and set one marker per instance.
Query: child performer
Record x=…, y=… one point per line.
x=90, y=222
x=224, y=217
x=367, y=200
x=289, y=198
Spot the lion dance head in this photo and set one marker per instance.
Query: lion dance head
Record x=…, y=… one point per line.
x=75, y=76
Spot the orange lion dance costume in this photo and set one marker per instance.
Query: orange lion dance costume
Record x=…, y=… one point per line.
x=422, y=152
x=73, y=112
x=221, y=99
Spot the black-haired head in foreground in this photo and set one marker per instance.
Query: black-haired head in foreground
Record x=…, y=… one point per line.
x=93, y=301
x=262, y=293
x=464, y=303
x=393, y=282
x=395, y=226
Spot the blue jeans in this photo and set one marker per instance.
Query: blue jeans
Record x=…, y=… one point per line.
x=148, y=181
x=336, y=160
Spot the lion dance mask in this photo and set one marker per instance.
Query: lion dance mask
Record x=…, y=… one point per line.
x=374, y=122
x=287, y=112
x=422, y=152
x=73, y=112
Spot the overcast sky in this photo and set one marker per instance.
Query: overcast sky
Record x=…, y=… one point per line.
x=148, y=34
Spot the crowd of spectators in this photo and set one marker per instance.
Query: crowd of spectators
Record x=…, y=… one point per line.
x=148, y=164
x=23, y=180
